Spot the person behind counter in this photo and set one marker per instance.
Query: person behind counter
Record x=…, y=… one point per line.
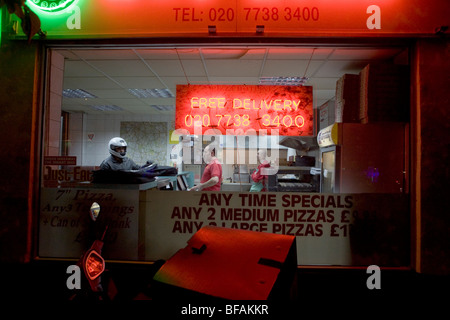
x=212, y=175
x=117, y=160
x=259, y=180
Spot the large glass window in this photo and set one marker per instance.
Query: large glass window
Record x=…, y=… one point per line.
x=342, y=191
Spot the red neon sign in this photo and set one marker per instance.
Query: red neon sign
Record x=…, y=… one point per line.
x=287, y=109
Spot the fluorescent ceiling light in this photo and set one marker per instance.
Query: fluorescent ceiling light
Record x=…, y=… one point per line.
x=151, y=93
x=106, y=108
x=285, y=81
x=163, y=108
x=77, y=93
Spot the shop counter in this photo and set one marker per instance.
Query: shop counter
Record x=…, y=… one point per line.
x=149, y=224
x=330, y=229
x=121, y=186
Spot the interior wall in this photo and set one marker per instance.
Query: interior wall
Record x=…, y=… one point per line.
x=98, y=129
x=147, y=141
x=75, y=143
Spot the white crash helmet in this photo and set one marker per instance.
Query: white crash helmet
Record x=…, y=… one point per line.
x=117, y=142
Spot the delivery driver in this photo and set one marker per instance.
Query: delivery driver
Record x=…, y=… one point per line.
x=117, y=160
x=212, y=175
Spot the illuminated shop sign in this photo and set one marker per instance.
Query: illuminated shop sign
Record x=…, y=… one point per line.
x=245, y=108
x=105, y=18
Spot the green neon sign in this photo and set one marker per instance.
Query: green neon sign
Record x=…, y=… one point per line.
x=52, y=6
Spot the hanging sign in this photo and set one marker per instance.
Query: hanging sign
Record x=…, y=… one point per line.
x=230, y=109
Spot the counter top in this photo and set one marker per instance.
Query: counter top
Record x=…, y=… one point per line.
x=237, y=183
x=133, y=186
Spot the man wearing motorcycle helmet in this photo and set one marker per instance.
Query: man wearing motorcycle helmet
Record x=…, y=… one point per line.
x=117, y=160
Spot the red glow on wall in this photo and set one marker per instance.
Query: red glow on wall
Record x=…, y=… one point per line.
x=230, y=108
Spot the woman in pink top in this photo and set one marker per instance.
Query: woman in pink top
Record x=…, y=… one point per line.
x=259, y=179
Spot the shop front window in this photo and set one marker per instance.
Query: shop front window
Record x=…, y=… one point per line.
x=341, y=189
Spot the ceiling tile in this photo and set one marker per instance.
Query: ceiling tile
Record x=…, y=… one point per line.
x=154, y=54
x=106, y=54
x=79, y=69
x=111, y=93
x=88, y=83
x=126, y=103
x=289, y=68
x=168, y=54
x=147, y=110
x=298, y=53
x=191, y=80
x=171, y=82
x=234, y=80
x=84, y=102
x=159, y=101
x=224, y=53
x=193, y=68
x=166, y=67
x=254, y=54
x=233, y=68
x=188, y=53
x=138, y=82
x=122, y=68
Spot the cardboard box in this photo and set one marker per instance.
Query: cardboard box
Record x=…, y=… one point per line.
x=232, y=264
x=347, y=98
x=384, y=93
x=327, y=114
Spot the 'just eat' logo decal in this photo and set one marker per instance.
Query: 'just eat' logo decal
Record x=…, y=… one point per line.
x=52, y=6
